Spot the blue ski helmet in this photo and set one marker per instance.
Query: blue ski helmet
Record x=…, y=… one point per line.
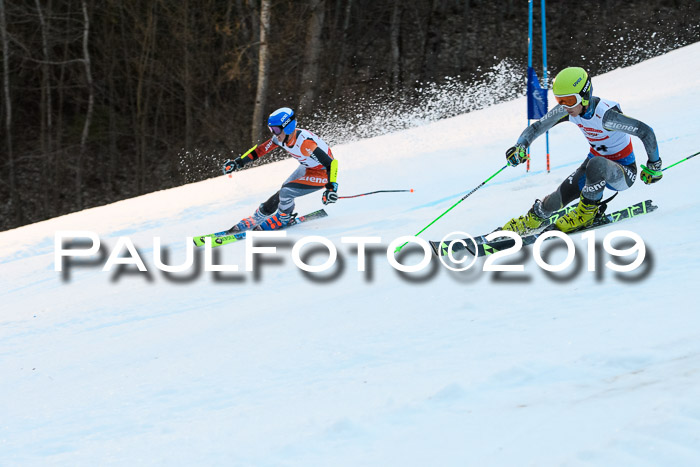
x=282, y=119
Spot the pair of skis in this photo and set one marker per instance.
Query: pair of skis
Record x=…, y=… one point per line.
x=484, y=247
x=226, y=237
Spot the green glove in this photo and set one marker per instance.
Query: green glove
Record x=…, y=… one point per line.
x=516, y=155
x=651, y=173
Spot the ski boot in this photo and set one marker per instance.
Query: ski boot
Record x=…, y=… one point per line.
x=249, y=222
x=277, y=221
x=582, y=216
x=524, y=225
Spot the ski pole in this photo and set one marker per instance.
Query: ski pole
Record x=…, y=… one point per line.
x=451, y=207
x=644, y=168
x=373, y=192
x=682, y=160
x=246, y=153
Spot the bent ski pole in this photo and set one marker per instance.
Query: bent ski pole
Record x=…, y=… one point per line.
x=373, y=192
x=452, y=207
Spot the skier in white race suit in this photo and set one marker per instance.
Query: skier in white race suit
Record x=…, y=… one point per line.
x=610, y=162
x=317, y=169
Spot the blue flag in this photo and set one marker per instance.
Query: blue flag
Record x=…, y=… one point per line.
x=536, y=96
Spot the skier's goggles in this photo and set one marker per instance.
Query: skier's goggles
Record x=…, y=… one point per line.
x=277, y=129
x=570, y=101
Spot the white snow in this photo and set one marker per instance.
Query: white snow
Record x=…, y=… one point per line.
x=369, y=368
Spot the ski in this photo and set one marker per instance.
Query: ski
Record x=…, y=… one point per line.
x=225, y=237
x=485, y=248
x=441, y=250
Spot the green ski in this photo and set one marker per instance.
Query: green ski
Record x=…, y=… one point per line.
x=226, y=237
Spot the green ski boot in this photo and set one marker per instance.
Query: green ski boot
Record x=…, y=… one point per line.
x=582, y=216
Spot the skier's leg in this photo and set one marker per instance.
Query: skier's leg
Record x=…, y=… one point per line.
x=600, y=173
x=264, y=211
x=569, y=190
x=269, y=207
x=541, y=210
x=302, y=182
x=311, y=180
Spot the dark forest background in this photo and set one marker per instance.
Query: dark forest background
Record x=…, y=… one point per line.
x=104, y=99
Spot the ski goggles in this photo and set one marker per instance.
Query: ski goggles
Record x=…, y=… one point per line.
x=276, y=130
x=570, y=101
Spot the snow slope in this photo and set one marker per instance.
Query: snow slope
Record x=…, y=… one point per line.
x=370, y=368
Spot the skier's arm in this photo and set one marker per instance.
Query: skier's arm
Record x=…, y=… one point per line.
x=331, y=165
x=518, y=154
x=252, y=154
x=531, y=133
x=616, y=121
x=258, y=151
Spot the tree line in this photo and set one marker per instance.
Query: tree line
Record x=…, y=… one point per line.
x=104, y=100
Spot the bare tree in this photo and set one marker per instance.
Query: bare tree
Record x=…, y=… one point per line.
x=187, y=78
x=464, y=43
x=46, y=110
x=4, y=36
x=312, y=53
x=61, y=86
x=263, y=73
x=433, y=41
x=340, y=69
x=90, y=107
x=144, y=72
x=6, y=81
x=395, y=38
x=46, y=107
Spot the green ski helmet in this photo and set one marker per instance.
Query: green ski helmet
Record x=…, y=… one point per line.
x=572, y=86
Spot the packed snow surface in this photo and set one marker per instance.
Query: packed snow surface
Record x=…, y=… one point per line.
x=346, y=367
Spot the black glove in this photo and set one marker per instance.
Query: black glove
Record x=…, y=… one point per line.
x=232, y=166
x=652, y=172
x=516, y=155
x=331, y=194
